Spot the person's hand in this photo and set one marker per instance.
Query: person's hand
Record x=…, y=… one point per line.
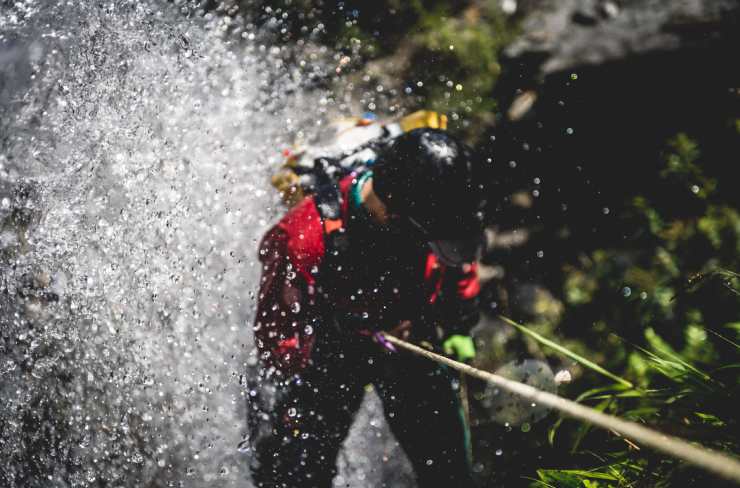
x=402, y=330
x=461, y=347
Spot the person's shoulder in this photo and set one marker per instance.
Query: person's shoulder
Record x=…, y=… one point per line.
x=302, y=235
x=302, y=216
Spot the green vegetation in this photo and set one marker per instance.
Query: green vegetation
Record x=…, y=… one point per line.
x=659, y=312
x=441, y=55
x=675, y=397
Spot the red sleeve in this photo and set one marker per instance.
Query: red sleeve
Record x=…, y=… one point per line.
x=468, y=284
x=459, y=299
x=283, y=326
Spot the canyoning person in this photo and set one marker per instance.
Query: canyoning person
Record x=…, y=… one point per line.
x=392, y=248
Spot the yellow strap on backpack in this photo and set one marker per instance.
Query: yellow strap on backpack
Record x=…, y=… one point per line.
x=287, y=182
x=423, y=119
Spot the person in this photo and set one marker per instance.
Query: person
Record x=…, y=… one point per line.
x=393, y=250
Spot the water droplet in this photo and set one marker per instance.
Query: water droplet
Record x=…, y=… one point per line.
x=295, y=307
x=626, y=291
x=526, y=427
x=499, y=452
x=243, y=446
x=292, y=412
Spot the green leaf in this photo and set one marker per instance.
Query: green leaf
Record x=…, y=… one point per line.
x=552, y=430
x=710, y=419
x=559, y=478
x=573, y=478
x=590, y=474
x=567, y=352
x=660, y=346
x=720, y=336
x=585, y=428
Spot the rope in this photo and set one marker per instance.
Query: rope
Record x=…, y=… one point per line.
x=702, y=457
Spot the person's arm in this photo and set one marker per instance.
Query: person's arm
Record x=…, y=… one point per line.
x=283, y=323
x=459, y=309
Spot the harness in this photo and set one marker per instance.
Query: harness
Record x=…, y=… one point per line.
x=328, y=199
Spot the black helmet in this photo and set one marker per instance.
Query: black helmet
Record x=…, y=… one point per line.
x=432, y=180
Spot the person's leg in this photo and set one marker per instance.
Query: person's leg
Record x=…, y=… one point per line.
x=310, y=423
x=423, y=410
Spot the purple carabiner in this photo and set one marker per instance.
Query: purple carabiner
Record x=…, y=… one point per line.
x=380, y=337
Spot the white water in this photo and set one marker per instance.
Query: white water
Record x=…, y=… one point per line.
x=141, y=136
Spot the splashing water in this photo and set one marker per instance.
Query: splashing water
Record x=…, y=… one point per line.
x=136, y=142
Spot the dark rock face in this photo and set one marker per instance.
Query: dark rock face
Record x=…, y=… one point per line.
x=592, y=90
x=573, y=33
x=589, y=97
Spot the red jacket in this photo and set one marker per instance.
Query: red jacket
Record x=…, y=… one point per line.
x=295, y=298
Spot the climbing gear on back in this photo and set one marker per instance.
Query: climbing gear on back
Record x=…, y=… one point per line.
x=361, y=141
x=356, y=144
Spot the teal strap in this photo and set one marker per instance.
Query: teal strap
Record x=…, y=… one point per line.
x=355, y=193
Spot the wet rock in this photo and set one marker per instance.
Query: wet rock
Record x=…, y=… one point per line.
x=536, y=302
x=590, y=93
x=507, y=408
x=571, y=33
x=487, y=273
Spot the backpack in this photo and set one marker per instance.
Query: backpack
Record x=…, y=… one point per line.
x=355, y=144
